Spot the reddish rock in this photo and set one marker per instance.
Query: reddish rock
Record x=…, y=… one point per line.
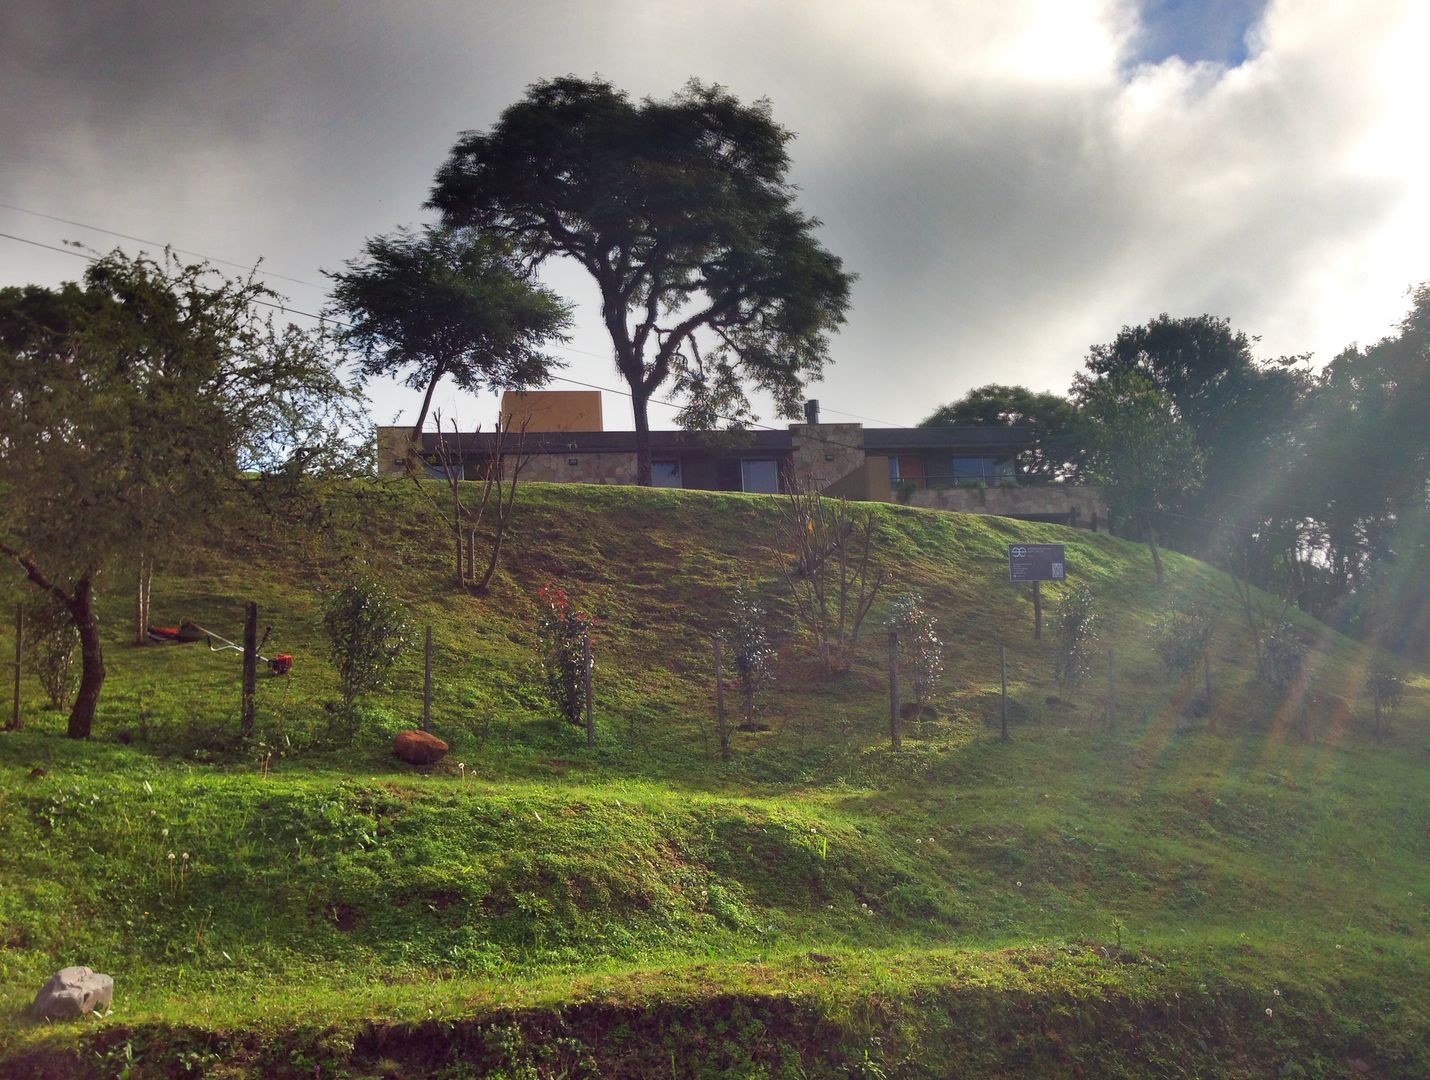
x=418, y=747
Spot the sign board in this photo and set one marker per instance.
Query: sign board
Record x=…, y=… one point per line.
x=1035, y=562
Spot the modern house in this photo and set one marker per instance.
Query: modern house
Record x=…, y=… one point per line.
x=971, y=468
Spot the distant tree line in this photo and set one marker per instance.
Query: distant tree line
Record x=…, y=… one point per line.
x=1311, y=485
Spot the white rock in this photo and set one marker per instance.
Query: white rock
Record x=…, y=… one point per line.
x=71, y=992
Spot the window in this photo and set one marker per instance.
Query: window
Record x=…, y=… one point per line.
x=760, y=475
x=665, y=474
x=968, y=470
x=436, y=472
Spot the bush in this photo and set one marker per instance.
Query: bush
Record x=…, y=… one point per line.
x=1181, y=639
x=50, y=642
x=918, y=637
x=1386, y=687
x=751, y=652
x=1283, y=655
x=562, y=632
x=367, y=631
x=1076, y=625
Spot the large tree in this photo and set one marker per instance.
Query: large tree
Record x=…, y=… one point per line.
x=1059, y=443
x=131, y=406
x=441, y=302
x=1143, y=457
x=710, y=278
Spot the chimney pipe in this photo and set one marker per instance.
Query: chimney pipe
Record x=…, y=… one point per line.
x=811, y=411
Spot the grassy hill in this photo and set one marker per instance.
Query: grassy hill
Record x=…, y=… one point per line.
x=1166, y=894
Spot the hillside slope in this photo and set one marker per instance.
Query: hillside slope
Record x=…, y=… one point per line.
x=1166, y=892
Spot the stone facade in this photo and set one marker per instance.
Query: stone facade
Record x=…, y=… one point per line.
x=588, y=468
x=1078, y=501
x=824, y=453
x=395, y=447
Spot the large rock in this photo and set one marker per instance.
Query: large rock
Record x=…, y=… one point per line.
x=71, y=992
x=418, y=747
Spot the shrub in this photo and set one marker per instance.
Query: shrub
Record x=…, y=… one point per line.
x=918, y=637
x=1283, y=655
x=51, y=639
x=751, y=652
x=1181, y=639
x=367, y=631
x=835, y=577
x=1386, y=687
x=562, y=632
x=1076, y=625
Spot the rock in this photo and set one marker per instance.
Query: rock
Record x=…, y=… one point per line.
x=418, y=747
x=71, y=992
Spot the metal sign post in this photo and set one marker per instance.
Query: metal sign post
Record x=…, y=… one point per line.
x=1036, y=563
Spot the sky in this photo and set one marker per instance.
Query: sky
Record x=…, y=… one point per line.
x=1012, y=180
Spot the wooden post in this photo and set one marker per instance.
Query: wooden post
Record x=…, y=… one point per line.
x=590, y=715
x=427, y=679
x=1111, y=691
x=1037, y=610
x=722, y=725
x=250, y=669
x=894, y=689
x=1003, y=686
x=15, y=721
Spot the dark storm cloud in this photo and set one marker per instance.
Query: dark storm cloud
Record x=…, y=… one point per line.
x=1009, y=183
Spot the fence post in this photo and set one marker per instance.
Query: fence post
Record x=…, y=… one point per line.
x=723, y=725
x=1003, y=686
x=894, y=689
x=250, y=669
x=586, y=669
x=1111, y=691
x=14, y=724
x=1037, y=610
x=427, y=679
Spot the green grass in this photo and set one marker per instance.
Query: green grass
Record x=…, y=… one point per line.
x=1124, y=901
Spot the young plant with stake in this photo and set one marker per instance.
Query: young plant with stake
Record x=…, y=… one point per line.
x=562, y=633
x=751, y=653
x=367, y=632
x=917, y=631
x=1076, y=625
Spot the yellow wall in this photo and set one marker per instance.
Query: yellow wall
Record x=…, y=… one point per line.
x=552, y=410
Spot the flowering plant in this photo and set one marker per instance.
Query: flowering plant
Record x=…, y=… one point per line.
x=563, y=633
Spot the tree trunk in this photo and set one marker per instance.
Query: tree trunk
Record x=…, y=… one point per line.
x=437, y=374
x=1152, y=546
x=143, y=584
x=640, y=402
x=81, y=609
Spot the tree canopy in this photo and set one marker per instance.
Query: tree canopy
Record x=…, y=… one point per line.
x=130, y=407
x=1059, y=441
x=442, y=302
x=711, y=280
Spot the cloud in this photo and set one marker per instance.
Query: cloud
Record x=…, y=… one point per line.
x=1012, y=182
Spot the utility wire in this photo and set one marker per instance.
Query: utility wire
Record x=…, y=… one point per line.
x=156, y=243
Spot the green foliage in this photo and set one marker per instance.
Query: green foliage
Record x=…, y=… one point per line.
x=1283, y=655
x=1385, y=686
x=1181, y=638
x=563, y=633
x=682, y=211
x=1075, y=626
x=751, y=652
x=50, y=643
x=1059, y=441
x=367, y=631
x=439, y=303
x=918, y=639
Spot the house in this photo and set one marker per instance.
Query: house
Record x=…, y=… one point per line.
x=971, y=468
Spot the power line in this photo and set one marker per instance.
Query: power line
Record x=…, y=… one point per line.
x=156, y=243
x=328, y=320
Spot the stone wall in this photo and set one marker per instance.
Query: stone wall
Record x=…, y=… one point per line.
x=1079, y=500
x=824, y=453
x=394, y=446
x=589, y=468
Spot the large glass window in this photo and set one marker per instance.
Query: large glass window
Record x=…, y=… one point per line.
x=967, y=470
x=665, y=474
x=437, y=472
x=761, y=475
